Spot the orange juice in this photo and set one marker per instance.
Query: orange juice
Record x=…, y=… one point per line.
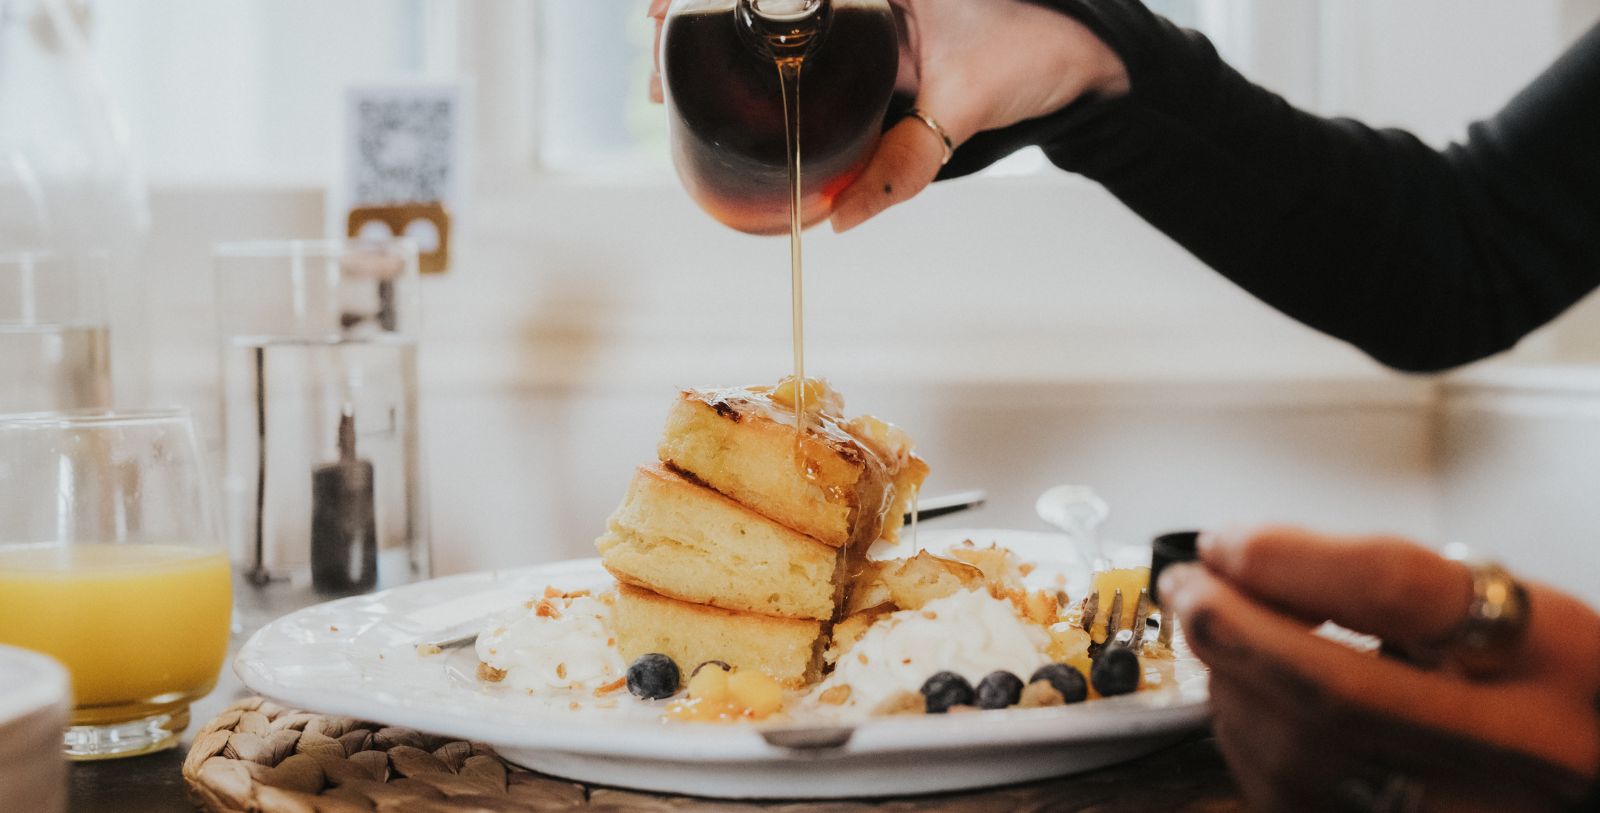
x=142, y=628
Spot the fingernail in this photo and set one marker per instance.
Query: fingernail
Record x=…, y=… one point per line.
x=872, y=209
x=1173, y=584
x=1213, y=542
x=657, y=8
x=844, y=220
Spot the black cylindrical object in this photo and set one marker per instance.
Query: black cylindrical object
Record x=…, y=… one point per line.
x=1169, y=549
x=344, y=530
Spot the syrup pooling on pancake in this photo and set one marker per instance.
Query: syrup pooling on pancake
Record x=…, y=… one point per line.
x=881, y=451
x=823, y=418
x=865, y=439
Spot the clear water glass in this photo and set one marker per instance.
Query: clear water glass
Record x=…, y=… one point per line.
x=323, y=485
x=55, y=350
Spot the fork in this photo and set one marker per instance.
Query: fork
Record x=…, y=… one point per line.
x=1134, y=635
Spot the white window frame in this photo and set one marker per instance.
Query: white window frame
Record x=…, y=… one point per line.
x=1279, y=42
x=498, y=42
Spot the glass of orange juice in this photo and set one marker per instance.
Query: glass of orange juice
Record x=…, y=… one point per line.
x=111, y=562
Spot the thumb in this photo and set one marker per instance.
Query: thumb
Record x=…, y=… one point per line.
x=905, y=162
x=1378, y=585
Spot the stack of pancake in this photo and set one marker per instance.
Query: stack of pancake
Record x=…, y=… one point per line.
x=740, y=544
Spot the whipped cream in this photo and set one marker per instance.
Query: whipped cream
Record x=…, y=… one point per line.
x=971, y=633
x=556, y=642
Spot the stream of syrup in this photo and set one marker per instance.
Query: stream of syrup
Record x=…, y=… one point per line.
x=789, y=78
x=788, y=48
x=916, y=495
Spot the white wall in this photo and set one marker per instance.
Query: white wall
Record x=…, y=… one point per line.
x=533, y=476
x=1431, y=66
x=1060, y=349
x=1519, y=463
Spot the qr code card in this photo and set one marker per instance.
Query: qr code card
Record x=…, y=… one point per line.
x=404, y=143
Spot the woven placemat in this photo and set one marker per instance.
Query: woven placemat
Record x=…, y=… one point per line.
x=257, y=757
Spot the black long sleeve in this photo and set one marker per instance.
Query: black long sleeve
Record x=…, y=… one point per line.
x=1424, y=259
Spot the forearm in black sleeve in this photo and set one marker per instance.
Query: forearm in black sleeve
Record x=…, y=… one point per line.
x=1424, y=259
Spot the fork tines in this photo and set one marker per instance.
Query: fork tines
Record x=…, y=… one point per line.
x=1141, y=614
x=1143, y=607
x=1114, y=618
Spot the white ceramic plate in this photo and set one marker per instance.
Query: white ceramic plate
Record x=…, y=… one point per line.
x=357, y=657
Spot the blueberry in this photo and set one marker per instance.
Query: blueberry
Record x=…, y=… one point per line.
x=998, y=690
x=946, y=689
x=1116, y=671
x=653, y=677
x=1064, y=679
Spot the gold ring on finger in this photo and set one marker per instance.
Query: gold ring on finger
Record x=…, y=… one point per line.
x=938, y=130
x=1497, y=618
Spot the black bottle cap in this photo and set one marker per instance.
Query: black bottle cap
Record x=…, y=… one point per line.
x=344, y=535
x=1171, y=548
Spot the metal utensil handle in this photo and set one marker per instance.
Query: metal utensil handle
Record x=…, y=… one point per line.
x=947, y=504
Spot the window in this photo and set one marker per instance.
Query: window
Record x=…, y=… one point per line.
x=1183, y=12
x=250, y=90
x=594, y=112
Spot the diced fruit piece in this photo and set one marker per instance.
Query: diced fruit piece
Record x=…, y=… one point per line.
x=999, y=690
x=719, y=696
x=1039, y=695
x=1106, y=584
x=696, y=710
x=653, y=676
x=1067, y=642
x=836, y=696
x=709, y=685
x=946, y=689
x=819, y=396
x=1041, y=606
x=1116, y=671
x=755, y=692
x=902, y=703
x=1064, y=679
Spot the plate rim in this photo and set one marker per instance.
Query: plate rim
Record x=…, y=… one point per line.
x=659, y=741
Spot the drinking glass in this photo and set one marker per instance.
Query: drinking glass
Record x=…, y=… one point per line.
x=323, y=477
x=54, y=345
x=111, y=562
